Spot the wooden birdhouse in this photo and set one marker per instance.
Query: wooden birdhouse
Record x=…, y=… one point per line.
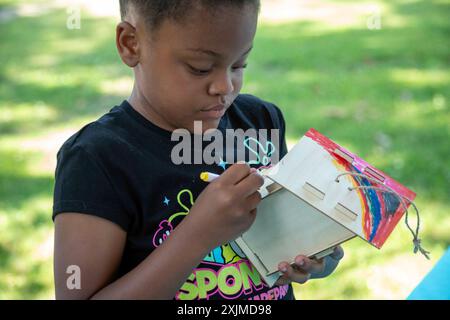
x=317, y=197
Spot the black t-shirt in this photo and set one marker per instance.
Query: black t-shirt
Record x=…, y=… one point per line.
x=120, y=168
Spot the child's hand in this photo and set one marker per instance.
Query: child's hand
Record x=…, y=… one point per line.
x=227, y=207
x=305, y=268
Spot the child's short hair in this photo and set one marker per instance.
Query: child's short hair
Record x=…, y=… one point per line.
x=156, y=11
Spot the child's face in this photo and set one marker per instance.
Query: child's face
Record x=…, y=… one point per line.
x=190, y=67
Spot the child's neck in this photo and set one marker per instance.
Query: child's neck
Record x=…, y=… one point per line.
x=142, y=105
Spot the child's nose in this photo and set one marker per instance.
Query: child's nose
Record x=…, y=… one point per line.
x=222, y=84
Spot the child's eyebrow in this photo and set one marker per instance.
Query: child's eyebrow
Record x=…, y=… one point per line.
x=213, y=53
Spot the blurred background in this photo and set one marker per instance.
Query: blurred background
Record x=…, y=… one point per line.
x=371, y=75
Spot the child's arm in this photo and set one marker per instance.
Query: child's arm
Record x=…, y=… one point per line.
x=223, y=211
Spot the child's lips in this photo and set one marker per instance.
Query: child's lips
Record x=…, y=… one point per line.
x=215, y=112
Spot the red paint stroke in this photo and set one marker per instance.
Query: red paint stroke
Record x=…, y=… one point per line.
x=387, y=222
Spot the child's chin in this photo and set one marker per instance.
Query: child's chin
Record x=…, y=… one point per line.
x=206, y=125
x=211, y=126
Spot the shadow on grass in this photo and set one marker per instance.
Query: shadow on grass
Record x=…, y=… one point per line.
x=24, y=219
x=45, y=63
x=17, y=186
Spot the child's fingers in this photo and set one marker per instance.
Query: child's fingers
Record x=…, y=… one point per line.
x=250, y=184
x=289, y=273
x=309, y=265
x=283, y=280
x=235, y=173
x=253, y=201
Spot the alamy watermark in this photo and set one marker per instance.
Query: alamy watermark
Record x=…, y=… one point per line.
x=256, y=147
x=74, y=280
x=374, y=20
x=73, y=21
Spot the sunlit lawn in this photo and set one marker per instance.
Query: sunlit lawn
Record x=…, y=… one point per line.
x=383, y=94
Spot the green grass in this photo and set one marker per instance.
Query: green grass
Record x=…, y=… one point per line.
x=384, y=94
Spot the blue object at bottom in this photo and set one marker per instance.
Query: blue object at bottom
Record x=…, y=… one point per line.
x=436, y=284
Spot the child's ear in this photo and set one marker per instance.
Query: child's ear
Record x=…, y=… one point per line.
x=127, y=43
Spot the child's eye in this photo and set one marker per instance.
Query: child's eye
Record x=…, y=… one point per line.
x=204, y=72
x=198, y=72
x=240, y=67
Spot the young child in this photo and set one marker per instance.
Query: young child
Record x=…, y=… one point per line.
x=132, y=224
